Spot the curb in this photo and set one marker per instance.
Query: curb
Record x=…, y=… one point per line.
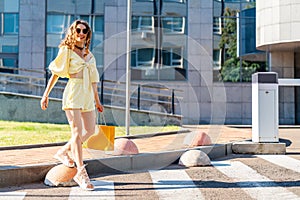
x=12, y=175
x=139, y=136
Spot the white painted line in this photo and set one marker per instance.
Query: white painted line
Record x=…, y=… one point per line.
x=256, y=185
x=283, y=161
x=12, y=195
x=175, y=184
x=103, y=190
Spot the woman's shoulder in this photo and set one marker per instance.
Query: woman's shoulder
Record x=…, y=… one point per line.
x=63, y=50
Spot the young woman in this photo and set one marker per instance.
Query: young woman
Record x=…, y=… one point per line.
x=80, y=97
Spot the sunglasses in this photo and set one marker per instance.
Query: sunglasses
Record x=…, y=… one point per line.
x=84, y=31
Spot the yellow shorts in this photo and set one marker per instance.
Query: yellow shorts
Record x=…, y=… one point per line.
x=74, y=96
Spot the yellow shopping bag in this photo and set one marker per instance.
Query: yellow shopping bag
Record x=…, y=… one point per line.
x=103, y=139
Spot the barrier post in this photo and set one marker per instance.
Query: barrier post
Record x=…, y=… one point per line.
x=265, y=107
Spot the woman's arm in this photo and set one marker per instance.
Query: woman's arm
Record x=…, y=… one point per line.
x=44, y=101
x=99, y=107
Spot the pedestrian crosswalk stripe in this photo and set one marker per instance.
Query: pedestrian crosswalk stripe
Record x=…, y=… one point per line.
x=174, y=184
x=103, y=190
x=283, y=161
x=12, y=195
x=256, y=185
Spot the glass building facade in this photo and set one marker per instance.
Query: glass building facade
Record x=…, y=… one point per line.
x=159, y=47
x=159, y=44
x=234, y=38
x=153, y=56
x=161, y=38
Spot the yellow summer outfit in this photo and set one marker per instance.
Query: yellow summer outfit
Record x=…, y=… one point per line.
x=78, y=93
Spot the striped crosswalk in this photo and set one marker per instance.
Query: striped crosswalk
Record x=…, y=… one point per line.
x=256, y=185
x=251, y=177
x=103, y=190
x=171, y=184
x=283, y=161
x=12, y=195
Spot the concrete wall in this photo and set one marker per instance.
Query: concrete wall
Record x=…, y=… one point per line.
x=277, y=21
x=283, y=63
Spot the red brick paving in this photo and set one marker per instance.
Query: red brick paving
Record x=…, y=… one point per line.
x=219, y=134
x=44, y=155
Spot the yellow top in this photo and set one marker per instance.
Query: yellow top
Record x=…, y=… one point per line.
x=68, y=62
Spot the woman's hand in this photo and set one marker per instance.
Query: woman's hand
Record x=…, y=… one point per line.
x=44, y=102
x=99, y=107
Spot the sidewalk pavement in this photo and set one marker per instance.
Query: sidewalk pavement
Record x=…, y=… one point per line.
x=26, y=165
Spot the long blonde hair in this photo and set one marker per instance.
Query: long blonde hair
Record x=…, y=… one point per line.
x=70, y=39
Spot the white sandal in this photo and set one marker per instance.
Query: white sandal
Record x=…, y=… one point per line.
x=83, y=180
x=64, y=158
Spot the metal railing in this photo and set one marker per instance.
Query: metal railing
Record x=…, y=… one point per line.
x=144, y=96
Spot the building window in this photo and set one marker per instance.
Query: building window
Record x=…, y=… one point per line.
x=176, y=1
x=51, y=54
x=11, y=23
x=217, y=25
x=142, y=58
x=57, y=23
x=142, y=23
x=173, y=24
x=98, y=24
x=217, y=59
x=1, y=25
x=172, y=57
x=9, y=35
x=235, y=1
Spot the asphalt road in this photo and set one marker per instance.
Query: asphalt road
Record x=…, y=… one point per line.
x=236, y=177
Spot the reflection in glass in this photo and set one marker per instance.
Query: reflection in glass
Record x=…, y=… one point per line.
x=172, y=57
x=228, y=65
x=158, y=28
x=142, y=57
x=142, y=23
x=173, y=24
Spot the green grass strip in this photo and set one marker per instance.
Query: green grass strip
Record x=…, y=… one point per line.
x=25, y=133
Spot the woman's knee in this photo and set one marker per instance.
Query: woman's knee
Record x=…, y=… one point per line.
x=76, y=130
x=88, y=133
x=76, y=138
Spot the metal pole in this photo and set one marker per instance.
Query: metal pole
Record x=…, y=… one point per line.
x=128, y=74
x=102, y=89
x=139, y=97
x=173, y=101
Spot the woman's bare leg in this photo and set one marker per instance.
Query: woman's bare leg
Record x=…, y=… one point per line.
x=76, y=123
x=74, y=118
x=89, y=122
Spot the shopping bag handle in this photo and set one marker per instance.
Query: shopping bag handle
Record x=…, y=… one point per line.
x=101, y=114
